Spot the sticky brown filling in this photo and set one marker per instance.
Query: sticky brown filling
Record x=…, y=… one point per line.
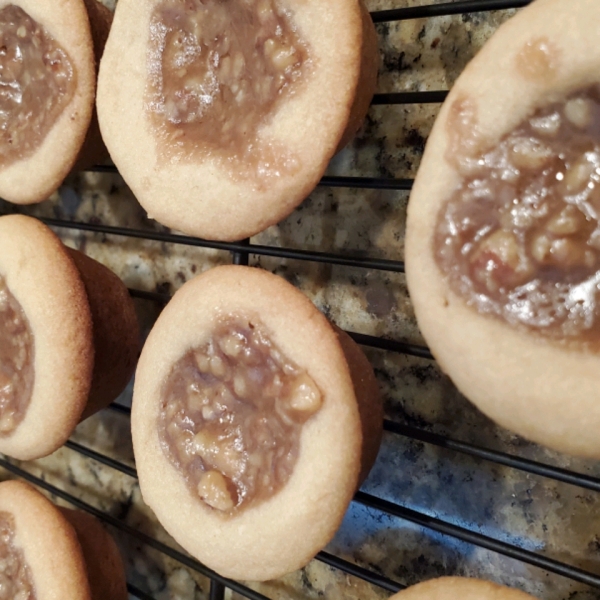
x=37, y=81
x=232, y=414
x=218, y=69
x=16, y=361
x=16, y=582
x=520, y=237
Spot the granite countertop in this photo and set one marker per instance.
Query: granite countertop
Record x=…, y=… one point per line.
x=557, y=520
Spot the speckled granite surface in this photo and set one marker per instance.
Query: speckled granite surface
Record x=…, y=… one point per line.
x=557, y=520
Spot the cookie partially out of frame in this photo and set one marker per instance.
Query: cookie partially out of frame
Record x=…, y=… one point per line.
x=35, y=532
x=453, y=588
x=277, y=532
x=35, y=156
x=75, y=343
x=526, y=377
x=191, y=176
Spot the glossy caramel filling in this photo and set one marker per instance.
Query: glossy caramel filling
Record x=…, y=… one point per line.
x=16, y=361
x=232, y=414
x=520, y=237
x=16, y=582
x=37, y=81
x=218, y=69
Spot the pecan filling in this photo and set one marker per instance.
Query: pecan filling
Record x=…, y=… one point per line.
x=16, y=361
x=15, y=575
x=37, y=81
x=218, y=69
x=520, y=237
x=232, y=414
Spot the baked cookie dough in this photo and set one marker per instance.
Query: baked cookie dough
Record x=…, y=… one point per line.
x=253, y=423
x=68, y=338
x=502, y=254
x=41, y=558
x=48, y=76
x=452, y=588
x=93, y=150
x=104, y=565
x=238, y=106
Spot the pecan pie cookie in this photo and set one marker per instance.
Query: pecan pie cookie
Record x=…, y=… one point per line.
x=451, y=588
x=48, y=77
x=238, y=105
x=48, y=553
x=253, y=423
x=68, y=338
x=503, y=230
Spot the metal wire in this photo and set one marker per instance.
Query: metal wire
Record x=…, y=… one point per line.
x=445, y=9
x=373, y=183
x=153, y=296
x=241, y=258
x=217, y=591
x=135, y=591
x=376, y=183
x=321, y=257
x=106, y=460
x=124, y=410
x=478, y=539
x=370, y=576
x=390, y=345
x=501, y=458
x=422, y=519
x=410, y=98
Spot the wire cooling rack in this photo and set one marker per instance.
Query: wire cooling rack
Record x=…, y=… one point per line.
x=240, y=253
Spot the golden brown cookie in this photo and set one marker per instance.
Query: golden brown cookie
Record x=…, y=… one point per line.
x=246, y=423
x=500, y=247
x=455, y=588
x=94, y=151
x=52, y=90
x=103, y=561
x=69, y=338
x=234, y=142
x=34, y=533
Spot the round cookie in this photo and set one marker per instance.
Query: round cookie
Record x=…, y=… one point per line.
x=199, y=186
x=48, y=543
x=541, y=388
x=36, y=173
x=282, y=532
x=451, y=588
x=84, y=329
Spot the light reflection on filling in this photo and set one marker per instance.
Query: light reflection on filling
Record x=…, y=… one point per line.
x=520, y=237
x=218, y=69
x=232, y=414
x=15, y=575
x=37, y=81
x=16, y=361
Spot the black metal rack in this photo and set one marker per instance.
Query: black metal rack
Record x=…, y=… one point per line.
x=240, y=253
